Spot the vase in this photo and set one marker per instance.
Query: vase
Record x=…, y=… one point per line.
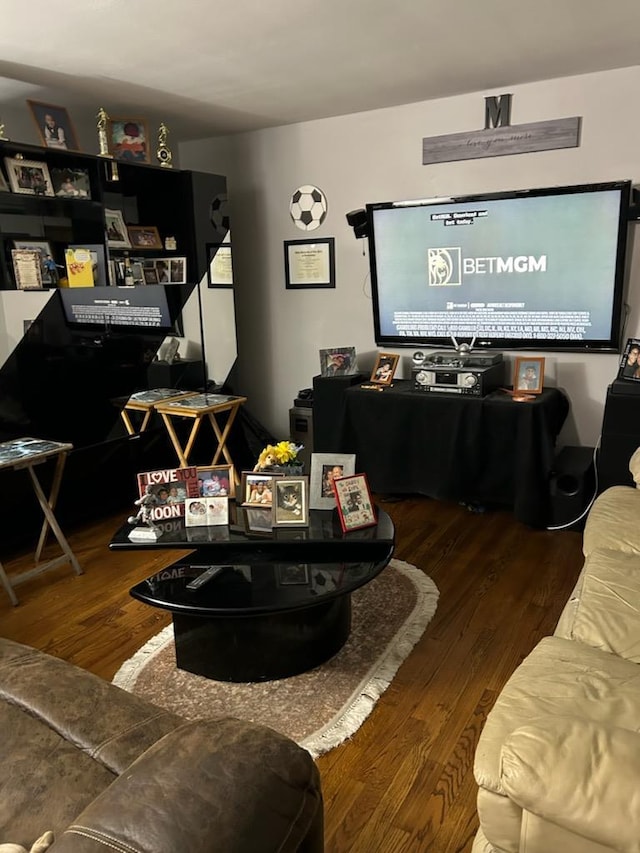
x=294, y=469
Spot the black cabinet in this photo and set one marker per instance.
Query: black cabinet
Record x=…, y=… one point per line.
x=178, y=203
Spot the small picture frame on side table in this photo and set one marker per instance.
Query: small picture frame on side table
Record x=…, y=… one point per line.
x=528, y=375
x=354, y=502
x=310, y=263
x=215, y=480
x=630, y=362
x=29, y=177
x=291, y=502
x=325, y=467
x=256, y=489
x=338, y=361
x=384, y=368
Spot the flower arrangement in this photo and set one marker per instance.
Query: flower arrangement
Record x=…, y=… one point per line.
x=284, y=453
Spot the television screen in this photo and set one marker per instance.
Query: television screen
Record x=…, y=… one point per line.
x=535, y=269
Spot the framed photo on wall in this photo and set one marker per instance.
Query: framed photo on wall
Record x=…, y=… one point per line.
x=54, y=126
x=528, y=375
x=310, y=263
x=630, y=361
x=325, y=467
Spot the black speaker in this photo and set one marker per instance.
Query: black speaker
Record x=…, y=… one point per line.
x=620, y=438
x=571, y=487
x=359, y=221
x=328, y=402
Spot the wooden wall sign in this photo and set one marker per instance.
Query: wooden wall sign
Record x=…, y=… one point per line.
x=503, y=140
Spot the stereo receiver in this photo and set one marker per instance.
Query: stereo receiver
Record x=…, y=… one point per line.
x=449, y=379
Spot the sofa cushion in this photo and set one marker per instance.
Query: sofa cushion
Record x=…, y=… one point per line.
x=607, y=612
x=613, y=521
x=559, y=678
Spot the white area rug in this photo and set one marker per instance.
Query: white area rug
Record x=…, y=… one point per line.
x=318, y=709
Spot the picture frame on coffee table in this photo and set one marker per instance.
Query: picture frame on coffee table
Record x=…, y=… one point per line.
x=291, y=501
x=322, y=472
x=256, y=489
x=355, y=504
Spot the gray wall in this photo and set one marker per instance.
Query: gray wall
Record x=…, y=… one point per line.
x=376, y=156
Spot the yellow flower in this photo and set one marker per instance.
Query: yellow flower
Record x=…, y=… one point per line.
x=285, y=451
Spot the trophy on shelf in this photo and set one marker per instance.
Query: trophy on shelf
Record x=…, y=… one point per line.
x=163, y=153
x=103, y=143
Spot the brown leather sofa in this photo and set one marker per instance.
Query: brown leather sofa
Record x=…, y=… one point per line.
x=108, y=771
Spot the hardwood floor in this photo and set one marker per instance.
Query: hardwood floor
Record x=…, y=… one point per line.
x=404, y=783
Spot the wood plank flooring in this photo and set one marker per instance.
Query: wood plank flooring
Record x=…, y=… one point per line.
x=404, y=783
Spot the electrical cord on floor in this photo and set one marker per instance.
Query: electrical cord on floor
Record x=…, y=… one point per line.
x=568, y=524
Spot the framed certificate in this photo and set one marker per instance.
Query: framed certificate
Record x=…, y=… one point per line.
x=310, y=263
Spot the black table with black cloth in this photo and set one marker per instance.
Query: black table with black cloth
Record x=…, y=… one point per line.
x=490, y=451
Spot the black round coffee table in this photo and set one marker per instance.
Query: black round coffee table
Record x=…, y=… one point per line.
x=280, y=603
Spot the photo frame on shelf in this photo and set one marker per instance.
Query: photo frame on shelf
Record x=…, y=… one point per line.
x=220, y=265
x=150, y=275
x=630, y=362
x=217, y=480
x=528, y=375
x=178, y=270
x=71, y=183
x=291, y=501
x=355, y=504
x=165, y=270
x=338, y=361
x=310, y=263
x=4, y=186
x=384, y=369
x=296, y=574
x=128, y=139
x=144, y=237
x=325, y=467
x=27, y=269
x=117, y=236
x=54, y=124
x=28, y=177
x=48, y=267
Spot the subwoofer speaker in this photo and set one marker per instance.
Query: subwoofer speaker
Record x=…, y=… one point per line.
x=571, y=487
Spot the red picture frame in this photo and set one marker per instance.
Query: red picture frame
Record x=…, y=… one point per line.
x=355, y=504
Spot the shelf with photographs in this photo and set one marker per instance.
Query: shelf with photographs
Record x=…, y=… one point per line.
x=162, y=220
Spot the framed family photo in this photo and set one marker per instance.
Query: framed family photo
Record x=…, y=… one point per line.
x=630, y=361
x=291, y=502
x=256, y=489
x=215, y=480
x=54, y=126
x=384, y=368
x=117, y=236
x=354, y=502
x=528, y=374
x=325, y=467
x=128, y=139
x=338, y=361
x=28, y=177
x=71, y=183
x=144, y=237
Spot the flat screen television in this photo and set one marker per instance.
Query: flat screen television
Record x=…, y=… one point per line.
x=539, y=269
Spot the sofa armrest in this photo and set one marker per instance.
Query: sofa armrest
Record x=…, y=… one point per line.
x=580, y=775
x=208, y=786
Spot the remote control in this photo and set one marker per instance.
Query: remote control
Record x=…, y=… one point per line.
x=211, y=572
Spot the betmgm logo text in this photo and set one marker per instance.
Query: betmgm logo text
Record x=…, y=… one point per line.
x=447, y=266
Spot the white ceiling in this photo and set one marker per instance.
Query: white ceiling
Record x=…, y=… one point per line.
x=215, y=67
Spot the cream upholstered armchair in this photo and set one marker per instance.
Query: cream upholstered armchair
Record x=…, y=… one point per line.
x=558, y=761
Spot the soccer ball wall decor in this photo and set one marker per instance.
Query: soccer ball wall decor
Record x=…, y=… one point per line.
x=219, y=213
x=308, y=207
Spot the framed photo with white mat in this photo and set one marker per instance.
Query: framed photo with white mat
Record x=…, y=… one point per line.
x=324, y=468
